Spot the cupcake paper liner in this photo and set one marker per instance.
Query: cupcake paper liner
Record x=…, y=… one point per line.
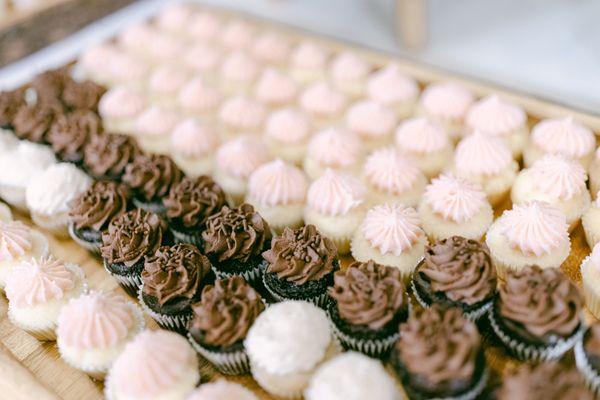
x=234, y=363
x=251, y=276
x=176, y=323
x=372, y=348
x=130, y=283
x=471, y=394
x=151, y=207
x=591, y=376
x=319, y=301
x=91, y=247
x=590, y=233
x=182, y=237
x=592, y=301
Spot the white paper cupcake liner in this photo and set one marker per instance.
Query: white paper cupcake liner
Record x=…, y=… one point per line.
x=591, y=376
x=91, y=247
x=230, y=363
x=319, y=301
x=177, y=323
x=372, y=348
x=182, y=237
x=131, y=283
x=251, y=276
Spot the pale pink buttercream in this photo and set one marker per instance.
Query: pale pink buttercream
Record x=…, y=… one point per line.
x=166, y=47
x=370, y=119
x=237, y=35
x=222, y=390
x=121, y=102
x=495, y=116
x=390, y=86
x=275, y=88
x=193, y=138
x=335, y=148
x=202, y=57
x=156, y=121
x=388, y=171
x=392, y=228
x=126, y=68
x=175, y=18
x=204, y=25
x=167, y=79
x=243, y=113
x=563, y=136
x=446, y=100
x=421, y=136
x=271, y=47
x=241, y=156
x=534, y=228
x=454, y=198
x=240, y=67
x=348, y=66
x=15, y=240
x=335, y=193
x=277, y=183
x=480, y=153
x=137, y=37
x=95, y=321
x=559, y=176
x=94, y=58
x=322, y=100
x=309, y=55
x=288, y=126
x=36, y=282
x=595, y=256
x=198, y=96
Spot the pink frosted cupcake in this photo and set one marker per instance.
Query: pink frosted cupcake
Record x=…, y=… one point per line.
x=372, y=122
x=154, y=365
x=234, y=163
x=135, y=37
x=286, y=134
x=532, y=233
x=197, y=98
x=237, y=34
x=556, y=180
x=487, y=160
x=93, y=330
x=391, y=177
x=91, y=64
x=222, y=390
x=391, y=235
x=239, y=115
x=323, y=104
x=349, y=73
x=153, y=129
x=594, y=174
x=496, y=117
x=334, y=148
x=336, y=206
x=277, y=190
x=590, y=221
x=308, y=62
x=238, y=73
x=175, y=18
x=165, y=47
x=447, y=103
x=561, y=136
x=453, y=206
x=275, y=89
x=427, y=143
x=204, y=59
x=126, y=69
x=272, y=48
x=204, y=26
x=193, y=144
x=590, y=280
x=119, y=107
x=164, y=83
x=390, y=87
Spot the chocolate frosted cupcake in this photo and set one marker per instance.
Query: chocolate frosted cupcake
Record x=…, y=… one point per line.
x=70, y=133
x=172, y=280
x=151, y=177
x=48, y=86
x=301, y=265
x=587, y=357
x=10, y=103
x=91, y=212
x=188, y=206
x=128, y=239
x=106, y=156
x=369, y=303
x=234, y=240
x=82, y=95
x=456, y=272
x=32, y=122
x=221, y=321
x=537, y=314
x=440, y=355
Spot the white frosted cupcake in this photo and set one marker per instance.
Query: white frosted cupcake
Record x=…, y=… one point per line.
x=591, y=223
x=237, y=34
x=349, y=73
x=286, y=343
x=532, y=233
x=486, y=160
x=48, y=196
x=153, y=128
x=164, y=83
x=335, y=205
x=286, y=134
x=197, y=98
x=590, y=281
x=222, y=390
x=119, y=107
x=561, y=136
x=496, y=117
x=594, y=174
x=275, y=89
x=308, y=62
x=334, y=148
x=323, y=104
x=234, y=163
x=372, y=122
x=239, y=115
x=447, y=104
x=204, y=26
x=175, y=18
x=272, y=48
x=155, y=365
x=193, y=145
x=390, y=177
x=8, y=141
x=204, y=59
x=37, y=290
x=392, y=88
x=427, y=143
x=238, y=73
x=453, y=206
x=558, y=181
x=391, y=235
x=93, y=330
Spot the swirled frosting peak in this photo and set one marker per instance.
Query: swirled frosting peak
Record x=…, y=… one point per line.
x=106, y=156
x=121, y=102
x=70, y=134
x=335, y=193
x=335, y=148
x=421, y=136
x=240, y=67
x=241, y=156
x=98, y=205
x=446, y=100
x=388, y=171
x=564, y=136
x=271, y=47
x=275, y=87
x=197, y=95
x=156, y=121
x=242, y=113
x=454, y=198
x=192, y=138
x=495, y=116
x=309, y=55
x=559, y=176
x=151, y=176
x=322, y=99
x=288, y=126
x=192, y=201
x=390, y=86
x=277, y=183
x=480, y=153
x=349, y=66
x=370, y=119
x=15, y=240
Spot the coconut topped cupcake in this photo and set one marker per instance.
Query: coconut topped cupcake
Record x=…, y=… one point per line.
x=275, y=88
x=334, y=148
x=271, y=47
x=373, y=122
x=389, y=86
x=494, y=116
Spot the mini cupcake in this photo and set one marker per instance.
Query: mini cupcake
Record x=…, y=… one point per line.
x=106, y=156
x=453, y=206
x=188, y=206
x=391, y=177
x=447, y=103
x=84, y=95
x=163, y=47
x=335, y=205
x=94, y=328
x=234, y=240
x=234, y=163
x=129, y=69
x=175, y=18
x=237, y=34
x=154, y=365
x=10, y=103
x=33, y=121
x=301, y=263
x=278, y=192
x=275, y=89
x=369, y=302
x=323, y=104
x=456, y=272
x=238, y=73
x=486, y=160
x=153, y=129
x=286, y=134
x=37, y=290
x=372, y=122
x=136, y=38
x=91, y=63
x=537, y=314
x=70, y=134
x=558, y=181
x=308, y=62
x=150, y=177
x=594, y=174
x=172, y=280
x=239, y=115
x=164, y=83
x=128, y=239
x=586, y=358
x=204, y=26
x=119, y=108
x=204, y=59
x=222, y=390
x=395, y=90
x=531, y=233
x=494, y=116
x=333, y=148
x=591, y=223
x=590, y=276
x=271, y=48
x=561, y=136
x=440, y=355
x=351, y=376
x=197, y=98
x=349, y=73
x=193, y=144
x=221, y=321
x=286, y=344
x=427, y=143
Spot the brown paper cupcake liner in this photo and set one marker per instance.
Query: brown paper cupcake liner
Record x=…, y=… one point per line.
x=232, y=363
x=176, y=323
x=319, y=301
x=91, y=247
x=591, y=376
x=130, y=283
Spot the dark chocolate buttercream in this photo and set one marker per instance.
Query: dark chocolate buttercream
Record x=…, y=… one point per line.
x=32, y=122
x=151, y=176
x=98, y=205
x=10, y=103
x=71, y=132
x=106, y=156
x=82, y=95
